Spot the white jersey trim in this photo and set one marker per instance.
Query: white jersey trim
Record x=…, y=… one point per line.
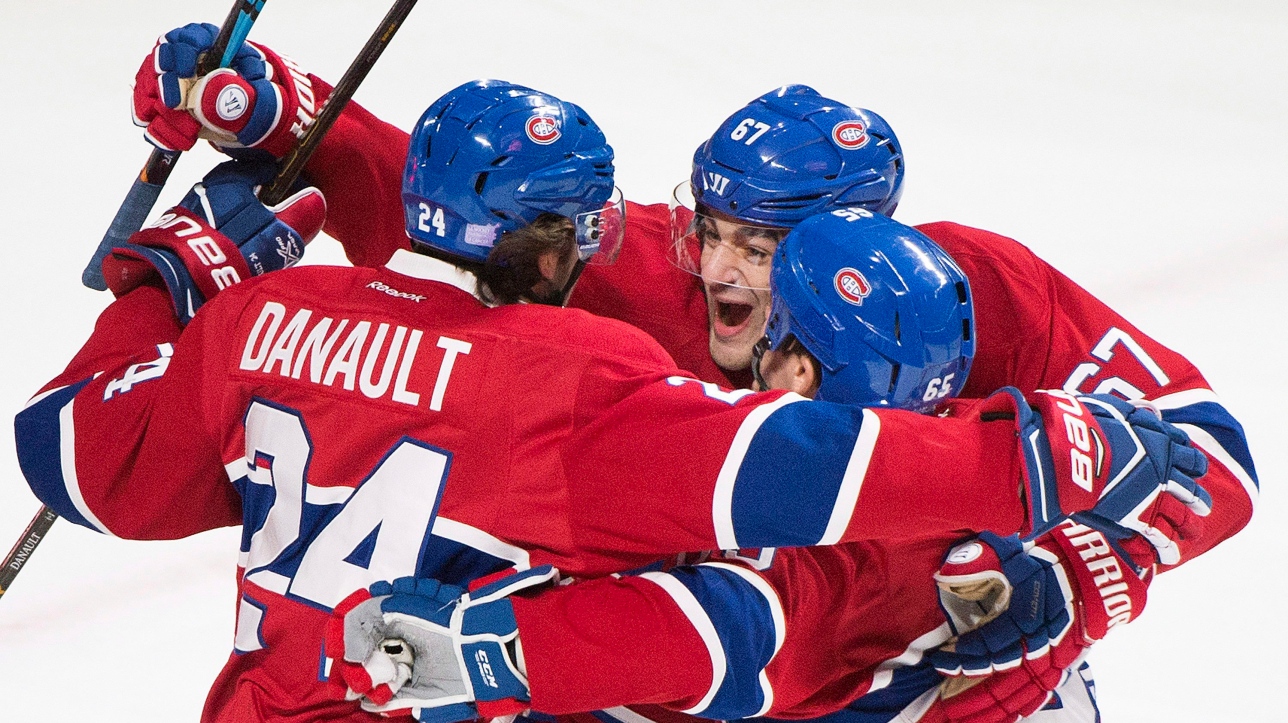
x=420, y=266
x=1213, y=448
x=480, y=540
x=67, y=457
x=855, y=471
x=722, y=499
x=692, y=610
x=626, y=715
x=884, y=674
x=1205, y=441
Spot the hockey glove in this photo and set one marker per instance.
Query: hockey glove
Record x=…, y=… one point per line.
x=1023, y=615
x=262, y=101
x=1099, y=451
x=432, y=651
x=1152, y=495
x=218, y=235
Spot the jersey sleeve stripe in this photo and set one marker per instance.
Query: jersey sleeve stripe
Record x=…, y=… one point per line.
x=692, y=610
x=621, y=714
x=46, y=425
x=1208, y=444
x=1214, y=430
x=745, y=617
x=477, y=539
x=780, y=626
x=722, y=501
x=855, y=471
x=792, y=475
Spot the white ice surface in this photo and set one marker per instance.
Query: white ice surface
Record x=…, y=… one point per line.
x=1138, y=146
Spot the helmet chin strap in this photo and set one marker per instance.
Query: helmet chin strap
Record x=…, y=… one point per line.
x=559, y=297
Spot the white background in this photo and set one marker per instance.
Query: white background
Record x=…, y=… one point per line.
x=1139, y=147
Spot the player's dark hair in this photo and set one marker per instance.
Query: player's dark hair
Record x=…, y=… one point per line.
x=513, y=266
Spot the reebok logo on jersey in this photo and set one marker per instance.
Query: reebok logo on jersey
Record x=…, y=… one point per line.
x=380, y=286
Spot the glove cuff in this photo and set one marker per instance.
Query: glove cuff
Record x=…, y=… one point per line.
x=1108, y=591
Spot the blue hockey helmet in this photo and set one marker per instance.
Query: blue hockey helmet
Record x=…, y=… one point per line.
x=491, y=156
x=792, y=153
x=885, y=311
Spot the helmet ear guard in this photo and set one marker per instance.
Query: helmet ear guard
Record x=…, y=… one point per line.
x=490, y=157
x=885, y=311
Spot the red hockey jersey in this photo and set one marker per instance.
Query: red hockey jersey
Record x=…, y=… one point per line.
x=364, y=424
x=1035, y=329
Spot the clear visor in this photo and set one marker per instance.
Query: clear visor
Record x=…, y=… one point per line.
x=600, y=233
x=718, y=248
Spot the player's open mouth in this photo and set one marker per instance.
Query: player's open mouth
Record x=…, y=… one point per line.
x=731, y=317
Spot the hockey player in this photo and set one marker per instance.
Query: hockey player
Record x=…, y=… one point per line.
x=363, y=424
x=787, y=155
x=870, y=310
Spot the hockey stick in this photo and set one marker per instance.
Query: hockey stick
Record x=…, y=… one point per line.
x=286, y=176
x=147, y=187
x=22, y=550
x=279, y=188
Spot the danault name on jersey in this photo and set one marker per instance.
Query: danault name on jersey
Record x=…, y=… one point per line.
x=304, y=342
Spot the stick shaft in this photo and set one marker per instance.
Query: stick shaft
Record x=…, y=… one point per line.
x=145, y=190
x=26, y=544
x=294, y=162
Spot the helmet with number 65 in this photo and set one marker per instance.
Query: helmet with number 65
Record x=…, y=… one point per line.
x=883, y=309
x=792, y=153
x=491, y=156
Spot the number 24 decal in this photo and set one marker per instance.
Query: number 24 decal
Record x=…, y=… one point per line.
x=1104, y=351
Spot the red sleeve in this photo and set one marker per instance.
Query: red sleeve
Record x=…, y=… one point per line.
x=1040, y=330
x=788, y=633
x=610, y=642
x=123, y=441
x=359, y=167
x=713, y=469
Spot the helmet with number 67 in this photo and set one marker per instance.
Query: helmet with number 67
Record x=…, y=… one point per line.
x=491, y=156
x=883, y=309
x=792, y=153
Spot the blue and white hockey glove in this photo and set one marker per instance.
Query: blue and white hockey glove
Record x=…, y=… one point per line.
x=1097, y=451
x=433, y=651
x=218, y=235
x=1152, y=490
x=1023, y=614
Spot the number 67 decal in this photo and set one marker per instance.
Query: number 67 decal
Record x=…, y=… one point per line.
x=1104, y=351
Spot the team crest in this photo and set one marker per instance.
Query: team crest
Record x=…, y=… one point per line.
x=851, y=285
x=542, y=130
x=850, y=135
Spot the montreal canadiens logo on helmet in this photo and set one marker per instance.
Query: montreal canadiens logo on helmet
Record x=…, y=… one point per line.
x=850, y=135
x=542, y=129
x=851, y=285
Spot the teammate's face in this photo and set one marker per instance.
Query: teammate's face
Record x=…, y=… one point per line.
x=735, y=272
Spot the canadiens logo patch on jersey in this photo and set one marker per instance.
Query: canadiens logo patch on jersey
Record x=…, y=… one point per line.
x=850, y=135
x=851, y=285
x=542, y=130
